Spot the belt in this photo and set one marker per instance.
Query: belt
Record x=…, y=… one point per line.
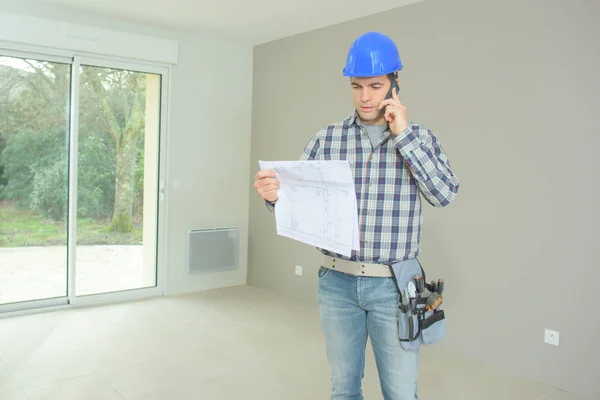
x=357, y=268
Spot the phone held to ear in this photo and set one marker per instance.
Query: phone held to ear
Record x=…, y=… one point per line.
x=393, y=85
x=389, y=93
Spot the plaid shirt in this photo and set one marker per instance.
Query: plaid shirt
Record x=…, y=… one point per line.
x=389, y=180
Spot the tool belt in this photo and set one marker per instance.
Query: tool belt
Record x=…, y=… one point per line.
x=422, y=319
x=356, y=268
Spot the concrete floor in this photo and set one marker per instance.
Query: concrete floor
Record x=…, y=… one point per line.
x=234, y=343
x=31, y=273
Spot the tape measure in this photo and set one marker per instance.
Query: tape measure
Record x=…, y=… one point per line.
x=433, y=301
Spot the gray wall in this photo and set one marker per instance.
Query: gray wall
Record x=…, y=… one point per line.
x=512, y=89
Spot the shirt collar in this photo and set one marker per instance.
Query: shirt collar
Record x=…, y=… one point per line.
x=353, y=120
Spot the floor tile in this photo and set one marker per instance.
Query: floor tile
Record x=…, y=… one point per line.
x=505, y=387
x=4, y=377
x=13, y=396
x=472, y=374
x=46, y=369
x=447, y=390
x=90, y=387
x=230, y=343
x=250, y=386
x=131, y=378
x=137, y=378
x=559, y=395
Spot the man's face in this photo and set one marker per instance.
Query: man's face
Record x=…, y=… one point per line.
x=368, y=93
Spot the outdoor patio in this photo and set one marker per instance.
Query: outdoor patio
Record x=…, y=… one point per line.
x=32, y=273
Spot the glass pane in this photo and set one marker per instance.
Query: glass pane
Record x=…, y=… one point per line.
x=34, y=109
x=117, y=180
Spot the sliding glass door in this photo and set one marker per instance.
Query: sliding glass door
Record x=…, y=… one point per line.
x=34, y=139
x=79, y=180
x=117, y=187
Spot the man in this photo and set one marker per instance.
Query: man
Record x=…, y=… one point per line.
x=394, y=163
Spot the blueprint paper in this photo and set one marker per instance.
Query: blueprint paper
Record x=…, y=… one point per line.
x=317, y=204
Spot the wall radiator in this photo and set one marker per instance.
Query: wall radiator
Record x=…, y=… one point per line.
x=214, y=249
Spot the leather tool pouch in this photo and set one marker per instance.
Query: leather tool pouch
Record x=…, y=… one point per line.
x=420, y=326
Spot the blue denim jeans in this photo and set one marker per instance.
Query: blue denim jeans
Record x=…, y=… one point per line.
x=352, y=308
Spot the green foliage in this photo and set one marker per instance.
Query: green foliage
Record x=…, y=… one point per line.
x=138, y=188
x=34, y=148
x=36, y=174
x=96, y=173
x=26, y=154
x=34, y=136
x=49, y=195
x=26, y=228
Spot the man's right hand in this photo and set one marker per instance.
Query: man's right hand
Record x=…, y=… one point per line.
x=266, y=184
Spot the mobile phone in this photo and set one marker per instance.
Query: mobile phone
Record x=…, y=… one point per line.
x=389, y=93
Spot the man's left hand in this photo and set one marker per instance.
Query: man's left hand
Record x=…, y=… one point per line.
x=395, y=113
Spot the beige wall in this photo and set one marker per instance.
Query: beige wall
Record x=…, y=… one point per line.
x=512, y=90
x=208, y=154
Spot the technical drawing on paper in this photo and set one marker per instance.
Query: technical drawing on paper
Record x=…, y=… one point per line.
x=317, y=203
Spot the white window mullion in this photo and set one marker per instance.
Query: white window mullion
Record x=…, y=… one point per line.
x=73, y=161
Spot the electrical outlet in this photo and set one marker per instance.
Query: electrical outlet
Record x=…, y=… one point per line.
x=551, y=337
x=298, y=270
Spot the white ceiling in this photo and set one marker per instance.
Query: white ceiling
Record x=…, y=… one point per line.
x=256, y=21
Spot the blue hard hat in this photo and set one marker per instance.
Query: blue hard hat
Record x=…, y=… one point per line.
x=372, y=54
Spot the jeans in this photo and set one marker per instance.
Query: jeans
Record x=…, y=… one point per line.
x=352, y=308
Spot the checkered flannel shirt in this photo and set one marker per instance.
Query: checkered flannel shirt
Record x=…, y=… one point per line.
x=390, y=179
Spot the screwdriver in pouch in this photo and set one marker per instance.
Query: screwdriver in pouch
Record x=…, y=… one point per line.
x=433, y=287
x=440, y=286
x=412, y=295
x=420, y=284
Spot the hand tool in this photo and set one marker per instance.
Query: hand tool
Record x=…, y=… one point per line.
x=440, y=286
x=411, y=293
x=433, y=287
x=433, y=301
x=404, y=301
x=411, y=289
x=413, y=305
x=420, y=284
x=405, y=297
